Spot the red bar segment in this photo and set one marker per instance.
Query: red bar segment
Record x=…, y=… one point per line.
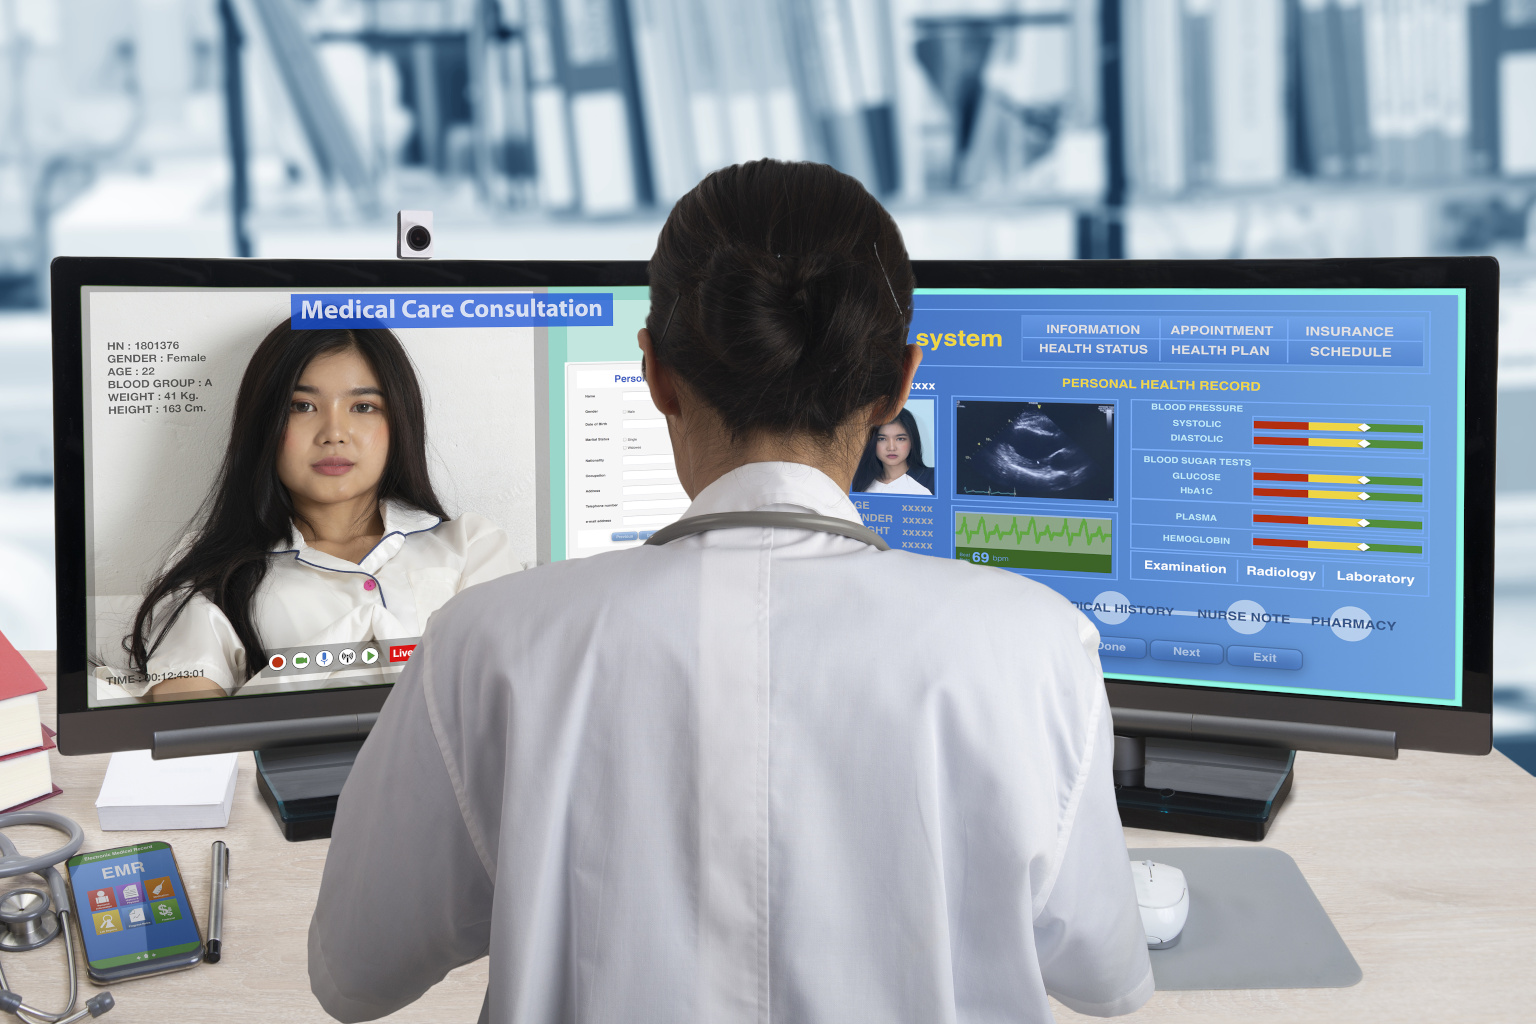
x=1300, y=478
x=1276, y=492
x=1274, y=542
x=1298, y=520
x=1280, y=440
x=1281, y=425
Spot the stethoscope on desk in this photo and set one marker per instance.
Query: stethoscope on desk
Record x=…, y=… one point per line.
x=780, y=520
x=26, y=924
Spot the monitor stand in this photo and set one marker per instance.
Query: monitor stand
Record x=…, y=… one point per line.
x=301, y=763
x=301, y=784
x=1231, y=790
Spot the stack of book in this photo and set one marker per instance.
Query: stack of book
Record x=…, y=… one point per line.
x=25, y=776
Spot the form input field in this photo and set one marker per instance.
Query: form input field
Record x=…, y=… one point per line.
x=637, y=396
x=658, y=421
x=680, y=502
x=648, y=460
x=651, y=474
x=665, y=520
x=673, y=488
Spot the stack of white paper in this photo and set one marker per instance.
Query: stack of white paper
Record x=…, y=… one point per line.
x=141, y=794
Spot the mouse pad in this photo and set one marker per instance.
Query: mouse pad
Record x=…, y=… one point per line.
x=1253, y=923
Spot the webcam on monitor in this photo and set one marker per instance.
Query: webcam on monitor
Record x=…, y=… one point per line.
x=413, y=234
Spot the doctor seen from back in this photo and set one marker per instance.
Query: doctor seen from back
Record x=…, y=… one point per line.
x=757, y=773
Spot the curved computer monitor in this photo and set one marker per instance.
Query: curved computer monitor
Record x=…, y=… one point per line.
x=1269, y=484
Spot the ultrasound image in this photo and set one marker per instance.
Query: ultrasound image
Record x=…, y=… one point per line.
x=1036, y=449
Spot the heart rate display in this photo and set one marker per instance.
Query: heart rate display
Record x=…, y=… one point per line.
x=1035, y=542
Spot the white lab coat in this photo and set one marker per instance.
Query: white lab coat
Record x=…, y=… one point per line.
x=310, y=597
x=753, y=775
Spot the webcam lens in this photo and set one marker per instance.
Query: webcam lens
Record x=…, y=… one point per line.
x=418, y=238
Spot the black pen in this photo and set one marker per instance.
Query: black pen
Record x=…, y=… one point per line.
x=218, y=881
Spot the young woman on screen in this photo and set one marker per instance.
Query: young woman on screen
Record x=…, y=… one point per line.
x=893, y=460
x=323, y=527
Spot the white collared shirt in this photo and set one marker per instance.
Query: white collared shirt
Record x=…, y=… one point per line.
x=903, y=484
x=310, y=597
x=752, y=775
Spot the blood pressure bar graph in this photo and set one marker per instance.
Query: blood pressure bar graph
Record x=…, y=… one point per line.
x=1355, y=427
x=1364, y=524
x=1336, y=545
x=1064, y=543
x=1337, y=442
x=1378, y=428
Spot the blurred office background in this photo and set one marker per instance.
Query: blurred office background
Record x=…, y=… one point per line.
x=1011, y=129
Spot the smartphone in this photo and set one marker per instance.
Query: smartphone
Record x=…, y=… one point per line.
x=134, y=915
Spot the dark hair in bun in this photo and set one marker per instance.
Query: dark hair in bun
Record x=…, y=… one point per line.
x=781, y=294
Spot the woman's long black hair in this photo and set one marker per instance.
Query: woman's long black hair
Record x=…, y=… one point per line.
x=871, y=469
x=249, y=510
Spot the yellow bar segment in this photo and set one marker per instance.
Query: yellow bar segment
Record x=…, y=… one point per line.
x=1336, y=545
x=1324, y=478
x=1331, y=521
x=1336, y=495
x=1333, y=442
x=1336, y=426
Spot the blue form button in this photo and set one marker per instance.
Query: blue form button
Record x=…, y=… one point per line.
x=623, y=535
x=647, y=534
x=1122, y=647
x=1264, y=657
x=1180, y=650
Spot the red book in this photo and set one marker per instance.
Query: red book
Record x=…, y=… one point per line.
x=21, y=723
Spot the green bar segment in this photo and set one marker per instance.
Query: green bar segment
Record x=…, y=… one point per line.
x=1395, y=497
x=1397, y=428
x=1401, y=549
x=1376, y=442
x=1395, y=524
x=1395, y=481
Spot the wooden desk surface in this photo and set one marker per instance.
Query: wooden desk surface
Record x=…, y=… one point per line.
x=1424, y=864
x=264, y=973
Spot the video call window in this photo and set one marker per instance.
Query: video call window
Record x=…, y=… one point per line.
x=437, y=406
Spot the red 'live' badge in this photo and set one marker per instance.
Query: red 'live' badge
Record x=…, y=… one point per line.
x=401, y=652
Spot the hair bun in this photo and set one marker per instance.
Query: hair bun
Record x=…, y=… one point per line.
x=771, y=301
x=767, y=313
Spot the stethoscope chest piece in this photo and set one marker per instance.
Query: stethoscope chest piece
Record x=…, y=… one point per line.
x=25, y=922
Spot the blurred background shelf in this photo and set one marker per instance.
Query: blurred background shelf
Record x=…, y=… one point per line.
x=565, y=129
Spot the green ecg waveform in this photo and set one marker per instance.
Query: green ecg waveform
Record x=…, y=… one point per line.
x=1039, y=533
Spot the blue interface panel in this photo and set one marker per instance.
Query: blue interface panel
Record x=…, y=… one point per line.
x=1248, y=490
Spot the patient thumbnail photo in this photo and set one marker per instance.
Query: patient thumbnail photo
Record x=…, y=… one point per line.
x=899, y=456
x=1020, y=449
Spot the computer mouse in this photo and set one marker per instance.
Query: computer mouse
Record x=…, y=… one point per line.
x=1164, y=900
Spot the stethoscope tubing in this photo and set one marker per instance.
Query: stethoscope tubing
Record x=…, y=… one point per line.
x=774, y=520
x=13, y=863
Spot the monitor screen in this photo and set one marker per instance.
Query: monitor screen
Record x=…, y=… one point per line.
x=1256, y=490
x=1261, y=482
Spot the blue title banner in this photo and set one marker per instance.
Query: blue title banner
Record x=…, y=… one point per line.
x=453, y=309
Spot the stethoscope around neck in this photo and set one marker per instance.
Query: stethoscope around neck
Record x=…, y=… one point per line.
x=774, y=520
x=25, y=921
